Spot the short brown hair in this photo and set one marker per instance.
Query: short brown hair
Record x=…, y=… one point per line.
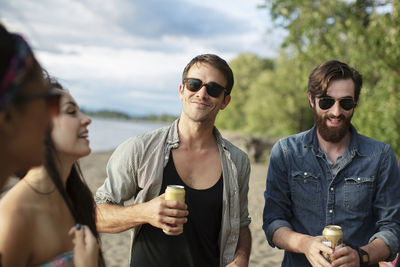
x=323, y=75
x=217, y=63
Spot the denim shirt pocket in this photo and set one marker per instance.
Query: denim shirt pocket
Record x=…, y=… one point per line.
x=358, y=193
x=305, y=191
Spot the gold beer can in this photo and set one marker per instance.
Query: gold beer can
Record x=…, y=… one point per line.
x=332, y=237
x=175, y=192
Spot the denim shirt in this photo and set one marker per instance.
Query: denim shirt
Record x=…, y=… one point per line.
x=135, y=173
x=304, y=194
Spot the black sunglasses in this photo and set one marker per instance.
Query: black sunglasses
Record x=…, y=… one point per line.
x=52, y=98
x=213, y=89
x=327, y=102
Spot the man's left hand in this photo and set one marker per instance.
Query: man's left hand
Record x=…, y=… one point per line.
x=346, y=256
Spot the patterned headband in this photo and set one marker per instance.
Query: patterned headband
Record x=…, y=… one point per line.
x=20, y=65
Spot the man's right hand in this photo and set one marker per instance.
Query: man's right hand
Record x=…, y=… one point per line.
x=168, y=215
x=313, y=247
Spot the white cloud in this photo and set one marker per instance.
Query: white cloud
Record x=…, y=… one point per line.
x=129, y=55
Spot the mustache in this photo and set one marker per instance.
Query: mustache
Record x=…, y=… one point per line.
x=340, y=117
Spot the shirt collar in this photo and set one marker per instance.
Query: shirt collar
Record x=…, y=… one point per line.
x=173, y=136
x=311, y=140
x=354, y=147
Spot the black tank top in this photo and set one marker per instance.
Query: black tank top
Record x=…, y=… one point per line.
x=198, y=244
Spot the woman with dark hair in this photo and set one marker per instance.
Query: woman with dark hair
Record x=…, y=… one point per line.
x=37, y=215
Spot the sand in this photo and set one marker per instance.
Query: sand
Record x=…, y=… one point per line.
x=116, y=246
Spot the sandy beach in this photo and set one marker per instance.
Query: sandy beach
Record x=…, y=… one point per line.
x=116, y=246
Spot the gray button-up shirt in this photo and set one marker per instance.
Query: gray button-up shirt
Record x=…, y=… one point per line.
x=135, y=173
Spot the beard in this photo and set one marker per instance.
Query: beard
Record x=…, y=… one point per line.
x=332, y=134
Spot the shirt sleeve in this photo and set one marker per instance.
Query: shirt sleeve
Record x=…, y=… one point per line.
x=244, y=177
x=387, y=202
x=120, y=184
x=277, y=208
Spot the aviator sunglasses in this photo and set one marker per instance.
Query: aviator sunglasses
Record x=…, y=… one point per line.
x=327, y=102
x=213, y=88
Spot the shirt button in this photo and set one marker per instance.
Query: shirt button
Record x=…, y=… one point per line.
x=330, y=211
x=305, y=173
x=331, y=188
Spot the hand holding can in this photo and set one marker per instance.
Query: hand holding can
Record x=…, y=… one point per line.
x=175, y=192
x=332, y=237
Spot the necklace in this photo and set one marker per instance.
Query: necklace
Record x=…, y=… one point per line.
x=37, y=191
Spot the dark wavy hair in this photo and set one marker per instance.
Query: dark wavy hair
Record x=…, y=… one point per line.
x=76, y=194
x=323, y=75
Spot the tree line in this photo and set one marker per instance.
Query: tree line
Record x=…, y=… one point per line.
x=113, y=114
x=269, y=97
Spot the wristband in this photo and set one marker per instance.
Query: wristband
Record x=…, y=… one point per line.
x=364, y=257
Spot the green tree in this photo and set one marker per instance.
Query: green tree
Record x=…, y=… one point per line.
x=363, y=33
x=246, y=68
x=278, y=102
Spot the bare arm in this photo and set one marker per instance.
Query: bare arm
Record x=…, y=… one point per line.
x=243, y=248
x=289, y=240
x=161, y=213
x=15, y=240
x=377, y=251
x=114, y=219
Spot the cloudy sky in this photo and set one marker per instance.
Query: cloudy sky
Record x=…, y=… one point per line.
x=128, y=55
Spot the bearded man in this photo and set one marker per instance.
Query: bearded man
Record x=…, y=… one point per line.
x=332, y=175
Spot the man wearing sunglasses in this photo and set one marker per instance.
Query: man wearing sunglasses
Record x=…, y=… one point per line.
x=332, y=175
x=190, y=152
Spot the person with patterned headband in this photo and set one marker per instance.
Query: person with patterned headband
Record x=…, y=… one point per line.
x=26, y=106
